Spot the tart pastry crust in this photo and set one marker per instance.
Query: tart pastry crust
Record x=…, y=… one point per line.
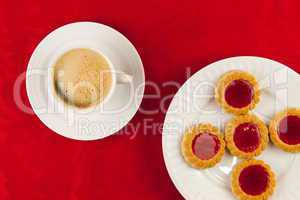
x=187, y=142
x=273, y=129
x=235, y=182
x=229, y=135
x=225, y=80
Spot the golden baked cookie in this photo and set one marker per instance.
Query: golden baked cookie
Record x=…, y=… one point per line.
x=252, y=180
x=202, y=146
x=246, y=136
x=237, y=92
x=285, y=130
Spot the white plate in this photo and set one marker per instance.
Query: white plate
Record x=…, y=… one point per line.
x=122, y=105
x=194, y=103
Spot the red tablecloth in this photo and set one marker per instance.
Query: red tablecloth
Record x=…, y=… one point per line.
x=37, y=164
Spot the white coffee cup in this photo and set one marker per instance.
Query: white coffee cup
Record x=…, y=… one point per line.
x=118, y=77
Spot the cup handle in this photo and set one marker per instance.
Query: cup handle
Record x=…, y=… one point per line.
x=123, y=78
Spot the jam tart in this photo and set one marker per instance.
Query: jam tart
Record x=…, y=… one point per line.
x=202, y=146
x=253, y=180
x=284, y=130
x=237, y=92
x=246, y=136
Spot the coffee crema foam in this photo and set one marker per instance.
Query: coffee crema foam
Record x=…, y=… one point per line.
x=82, y=77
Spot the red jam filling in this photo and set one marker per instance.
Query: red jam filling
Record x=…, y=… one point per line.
x=205, y=146
x=289, y=130
x=254, y=180
x=246, y=137
x=239, y=93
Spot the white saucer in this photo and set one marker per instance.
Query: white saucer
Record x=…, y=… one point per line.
x=95, y=124
x=194, y=103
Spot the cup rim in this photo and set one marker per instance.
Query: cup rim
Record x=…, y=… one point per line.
x=50, y=81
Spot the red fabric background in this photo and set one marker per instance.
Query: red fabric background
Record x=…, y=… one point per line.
x=36, y=164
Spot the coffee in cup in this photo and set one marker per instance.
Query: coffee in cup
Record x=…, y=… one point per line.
x=82, y=77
